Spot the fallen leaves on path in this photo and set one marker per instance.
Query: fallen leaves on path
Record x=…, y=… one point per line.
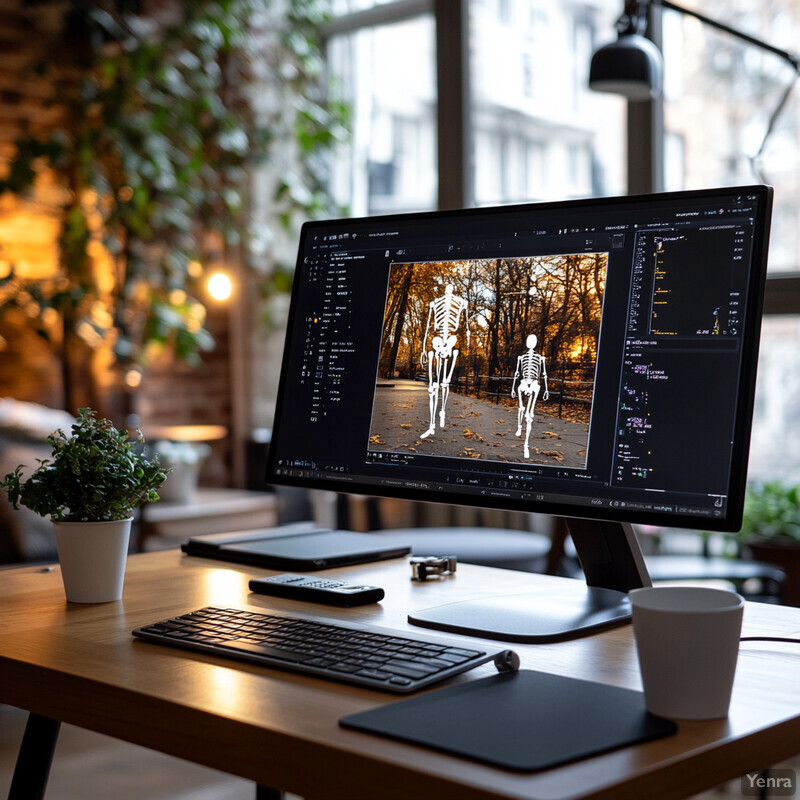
x=468, y=434
x=550, y=454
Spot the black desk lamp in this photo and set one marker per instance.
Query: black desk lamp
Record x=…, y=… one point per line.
x=633, y=65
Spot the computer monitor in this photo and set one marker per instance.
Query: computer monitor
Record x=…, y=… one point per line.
x=591, y=359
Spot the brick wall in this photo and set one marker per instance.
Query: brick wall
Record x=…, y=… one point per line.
x=30, y=369
x=173, y=393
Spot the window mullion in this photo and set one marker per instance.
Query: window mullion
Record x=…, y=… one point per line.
x=646, y=131
x=384, y=14
x=453, y=104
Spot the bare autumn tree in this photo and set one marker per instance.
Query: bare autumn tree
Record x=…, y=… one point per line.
x=395, y=317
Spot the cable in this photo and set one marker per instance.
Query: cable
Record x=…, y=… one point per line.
x=791, y=58
x=769, y=639
x=770, y=127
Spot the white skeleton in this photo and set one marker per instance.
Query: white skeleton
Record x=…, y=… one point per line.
x=445, y=313
x=530, y=369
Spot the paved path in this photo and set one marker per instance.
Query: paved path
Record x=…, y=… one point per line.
x=473, y=428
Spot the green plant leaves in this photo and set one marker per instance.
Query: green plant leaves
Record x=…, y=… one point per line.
x=96, y=474
x=772, y=511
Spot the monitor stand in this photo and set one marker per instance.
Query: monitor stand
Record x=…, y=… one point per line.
x=563, y=608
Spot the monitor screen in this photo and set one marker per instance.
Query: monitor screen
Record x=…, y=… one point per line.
x=588, y=358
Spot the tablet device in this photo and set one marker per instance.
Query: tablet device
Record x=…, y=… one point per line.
x=300, y=550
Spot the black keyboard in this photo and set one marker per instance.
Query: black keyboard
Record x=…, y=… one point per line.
x=367, y=656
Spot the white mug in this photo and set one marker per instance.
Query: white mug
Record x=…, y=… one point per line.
x=687, y=640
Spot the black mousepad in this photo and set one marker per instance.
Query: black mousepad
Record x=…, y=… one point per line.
x=522, y=721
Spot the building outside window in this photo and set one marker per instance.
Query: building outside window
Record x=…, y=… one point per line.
x=536, y=131
x=719, y=95
x=387, y=76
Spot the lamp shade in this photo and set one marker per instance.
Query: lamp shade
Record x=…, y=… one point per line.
x=632, y=66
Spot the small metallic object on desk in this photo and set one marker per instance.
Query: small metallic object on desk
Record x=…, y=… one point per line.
x=423, y=567
x=507, y=661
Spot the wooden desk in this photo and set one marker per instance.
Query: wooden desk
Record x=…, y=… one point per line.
x=79, y=664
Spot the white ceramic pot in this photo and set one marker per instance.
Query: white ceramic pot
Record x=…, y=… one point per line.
x=92, y=557
x=180, y=485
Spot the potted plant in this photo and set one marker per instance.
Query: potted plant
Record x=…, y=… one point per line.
x=183, y=461
x=771, y=530
x=89, y=489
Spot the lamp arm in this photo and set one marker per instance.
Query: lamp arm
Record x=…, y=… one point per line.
x=792, y=59
x=634, y=18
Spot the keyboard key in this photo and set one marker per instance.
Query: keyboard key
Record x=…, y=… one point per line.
x=344, y=667
x=265, y=650
x=408, y=669
x=453, y=658
x=375, y=674
x=438, y=663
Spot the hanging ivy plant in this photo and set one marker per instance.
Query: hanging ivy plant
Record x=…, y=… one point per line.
x=159, y=129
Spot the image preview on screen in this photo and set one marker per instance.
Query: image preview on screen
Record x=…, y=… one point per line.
x=504, y=298
x=592, y=359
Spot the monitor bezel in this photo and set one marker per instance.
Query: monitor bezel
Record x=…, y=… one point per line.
x=746, y=388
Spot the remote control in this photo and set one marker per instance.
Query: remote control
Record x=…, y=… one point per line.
x=317, y=590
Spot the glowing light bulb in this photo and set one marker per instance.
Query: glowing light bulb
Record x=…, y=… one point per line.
x=220, y=286
x=133, y=378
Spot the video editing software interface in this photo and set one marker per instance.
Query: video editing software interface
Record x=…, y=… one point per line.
x=590, y=358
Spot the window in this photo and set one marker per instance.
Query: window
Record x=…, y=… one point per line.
x=775, y=444
x=535, y=132
x=386, y=75
x=719, y=95
x=528, y=70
